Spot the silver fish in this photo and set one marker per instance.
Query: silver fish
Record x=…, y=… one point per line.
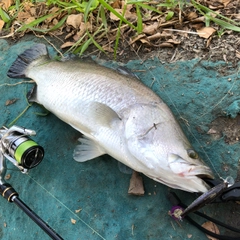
x=117, y=115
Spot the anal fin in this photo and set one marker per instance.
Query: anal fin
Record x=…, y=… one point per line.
x=87, y=150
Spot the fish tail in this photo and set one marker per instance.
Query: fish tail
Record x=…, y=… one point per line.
x=19, y=67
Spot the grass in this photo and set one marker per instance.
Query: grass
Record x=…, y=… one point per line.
x=98, y=11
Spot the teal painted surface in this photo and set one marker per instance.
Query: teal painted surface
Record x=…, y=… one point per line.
x=196, y=91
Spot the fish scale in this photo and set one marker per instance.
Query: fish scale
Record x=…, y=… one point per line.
x=117, y=115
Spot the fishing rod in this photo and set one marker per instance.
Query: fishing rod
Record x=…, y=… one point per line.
x=24, y=153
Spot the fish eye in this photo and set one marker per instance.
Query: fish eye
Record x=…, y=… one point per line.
x=192, y=154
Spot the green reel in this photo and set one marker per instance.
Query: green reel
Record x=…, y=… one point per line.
x=19, y=148
x=26, y=152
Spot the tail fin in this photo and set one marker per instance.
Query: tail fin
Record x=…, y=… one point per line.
x=18, y=68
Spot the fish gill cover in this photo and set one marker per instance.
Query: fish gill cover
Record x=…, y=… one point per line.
x=90, y=200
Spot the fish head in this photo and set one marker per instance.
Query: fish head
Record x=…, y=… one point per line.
x=188, y=171
x=183, y=166
x=163, y=151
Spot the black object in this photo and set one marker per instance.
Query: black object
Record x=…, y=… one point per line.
x=174, y=199
x=229, y=194
x=8, y=192
x=206, y=198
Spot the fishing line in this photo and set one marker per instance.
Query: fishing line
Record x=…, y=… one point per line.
x=228, y=92
x=66, y=207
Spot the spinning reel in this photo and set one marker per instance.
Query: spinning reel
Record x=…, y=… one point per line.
x=18, y=148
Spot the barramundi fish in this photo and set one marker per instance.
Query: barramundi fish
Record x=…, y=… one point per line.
x=117, y=115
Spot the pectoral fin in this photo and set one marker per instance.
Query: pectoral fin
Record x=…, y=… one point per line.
x=102, y=114
x=87, y=150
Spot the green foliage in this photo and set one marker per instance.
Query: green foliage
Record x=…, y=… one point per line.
x=4, y=16
x=80, y=6
x=210, y=15
x=102, y=8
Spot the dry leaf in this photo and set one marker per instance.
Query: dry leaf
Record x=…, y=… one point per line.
x=23, y=16
x=224, y=2
x=27, y=5
x=128, y=15
x=215, y=7
x=192, y=15
x=6, y=4
x=114, y=17
x=8, y=176
x=33, y=11
x=29, y=20
x=52, y=11
x=166, y=33
x=84, y=27
x=210, y=226
x=10, y=101
x=70, y=34
x=150, y=29
x=40, y=9
x=145, y=41
x=173, y=41
x=117, y=4
x=1, y=24
x=136, y=185
x=208, y=41
x=75, y=20
x=237, y=54
x=212, y=131
x=108, y=49
x=155, y=36
x=78, y=210
x=137, y=38
x=166, y=44
x=237, y=16
x=206, y=32
x=197, y=26
x=73, y=221
x=197, y=20
x=67, y=44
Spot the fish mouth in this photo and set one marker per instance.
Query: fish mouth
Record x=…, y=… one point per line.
x=205, y=176
x=200, y=171
x=197, y=176
x=188, y=176
x=203, y=173
x=205, y=179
